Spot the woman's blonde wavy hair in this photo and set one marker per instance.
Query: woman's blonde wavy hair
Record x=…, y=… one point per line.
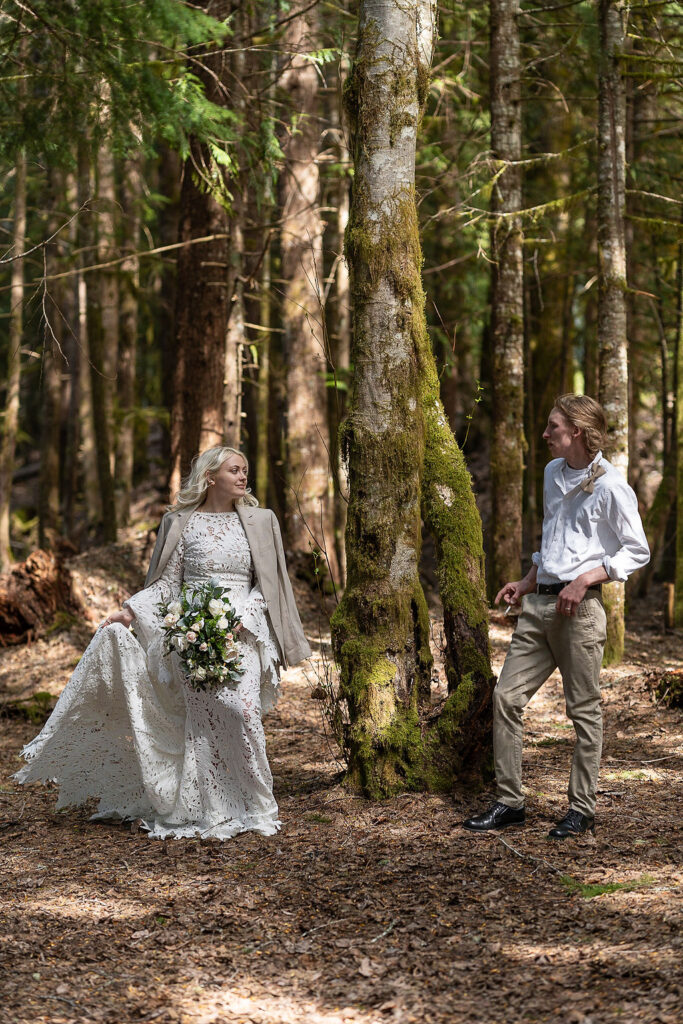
x=194, y=488
x=589, y=416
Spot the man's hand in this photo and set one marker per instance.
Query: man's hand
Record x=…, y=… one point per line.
x=515, y=591
x=569, y=599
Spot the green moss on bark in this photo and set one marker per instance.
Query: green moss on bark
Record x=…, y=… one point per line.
x=381, y=628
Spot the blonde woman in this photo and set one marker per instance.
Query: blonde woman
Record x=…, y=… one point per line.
x=128, y=728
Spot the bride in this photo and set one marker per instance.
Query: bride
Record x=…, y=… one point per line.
x=128, y=728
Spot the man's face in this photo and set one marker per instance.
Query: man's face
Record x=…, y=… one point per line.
x=561, y=436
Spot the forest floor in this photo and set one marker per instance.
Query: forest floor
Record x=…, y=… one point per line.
x=355, y=912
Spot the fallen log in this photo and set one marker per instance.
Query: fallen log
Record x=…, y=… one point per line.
x=33, y=597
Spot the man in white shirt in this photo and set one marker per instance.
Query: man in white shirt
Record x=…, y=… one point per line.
x=592, y=533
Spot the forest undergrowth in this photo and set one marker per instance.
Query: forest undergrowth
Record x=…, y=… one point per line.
x=355, y=911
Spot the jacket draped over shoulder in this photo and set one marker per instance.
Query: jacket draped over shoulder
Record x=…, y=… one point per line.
x=265, y=543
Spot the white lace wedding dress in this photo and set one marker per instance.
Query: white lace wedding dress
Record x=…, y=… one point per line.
x=129, y=730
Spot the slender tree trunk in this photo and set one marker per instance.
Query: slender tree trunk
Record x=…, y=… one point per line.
x=102, y=327
x=310, y=494
x=396, y=430
x=71, y=391
x=51, y=382
x=612, y=274
x=9, y=423
x=338, y=313
x=263, y=398
x=128, y=337
x=507, y=308
x=678, y=446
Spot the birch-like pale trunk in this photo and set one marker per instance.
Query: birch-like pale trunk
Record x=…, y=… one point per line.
x=9, y=423
x=397, y=439
x=507, y=297
x=612, y=336
x=309, y=498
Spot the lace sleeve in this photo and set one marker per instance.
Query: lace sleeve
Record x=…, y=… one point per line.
x=144, y=604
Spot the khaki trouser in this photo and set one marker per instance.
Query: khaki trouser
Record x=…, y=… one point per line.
x=545, y=640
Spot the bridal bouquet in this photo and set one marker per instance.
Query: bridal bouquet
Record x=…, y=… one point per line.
x=200, y=627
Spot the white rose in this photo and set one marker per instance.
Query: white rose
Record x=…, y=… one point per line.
x=170, y=619
x=198, y=625
x=215, y=606
x=203, y=647
x=200, y=673
x=190, y=636
x=222, y=622
x=227, y=607
x=175, y=608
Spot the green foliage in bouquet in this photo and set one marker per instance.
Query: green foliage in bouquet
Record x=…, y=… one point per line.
x=201, y=628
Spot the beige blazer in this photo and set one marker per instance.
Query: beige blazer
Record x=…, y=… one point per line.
x=265, y=543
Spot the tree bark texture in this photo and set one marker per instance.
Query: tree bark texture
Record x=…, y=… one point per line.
x=309, y=501
x=400, y=451
x=678, y=446
x=102, y=327
x=612, y=338
x=9, y=423
x=507, y=294
x=54, y=366
x=128, y=336
x=202, y=295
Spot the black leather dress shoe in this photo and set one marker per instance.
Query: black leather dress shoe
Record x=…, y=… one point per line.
x=573, y=824
x=498, y=816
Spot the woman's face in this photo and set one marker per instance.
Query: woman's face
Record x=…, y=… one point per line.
x=230, y=479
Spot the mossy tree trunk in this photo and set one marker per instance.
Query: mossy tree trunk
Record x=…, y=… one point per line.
x=507, y=296
x=612, y=338
x=402, y=457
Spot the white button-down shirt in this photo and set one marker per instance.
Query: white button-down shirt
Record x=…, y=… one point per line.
x=582, y=531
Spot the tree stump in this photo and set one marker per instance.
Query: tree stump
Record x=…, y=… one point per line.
x=32, y=595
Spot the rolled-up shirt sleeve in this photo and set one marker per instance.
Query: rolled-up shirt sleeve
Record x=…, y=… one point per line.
x=624, y=519
x=536, y=558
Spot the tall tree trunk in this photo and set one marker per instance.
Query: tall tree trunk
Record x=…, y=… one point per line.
x=51, y=381
x=128, y=337
x=396, y=430
x=202, y=293
x=309, y=494
x=71, y=390
x=200, y=326
x=507, y=307
x=612, y=274
x=338, y=310
x=9, y=423
x=262, y=474
x=102, y=327
x=678, y=444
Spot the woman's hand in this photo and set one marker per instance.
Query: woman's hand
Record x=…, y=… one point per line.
x=125, y=617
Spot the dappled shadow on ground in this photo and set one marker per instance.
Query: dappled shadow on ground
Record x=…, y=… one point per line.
x=356, y=911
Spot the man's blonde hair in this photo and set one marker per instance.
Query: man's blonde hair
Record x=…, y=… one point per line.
x=589, y=416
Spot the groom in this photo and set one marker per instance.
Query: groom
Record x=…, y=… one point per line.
x=592, y=533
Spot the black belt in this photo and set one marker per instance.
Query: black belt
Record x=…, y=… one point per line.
x=555, y=588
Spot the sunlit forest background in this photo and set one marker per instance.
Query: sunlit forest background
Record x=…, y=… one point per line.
x=177, y=180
